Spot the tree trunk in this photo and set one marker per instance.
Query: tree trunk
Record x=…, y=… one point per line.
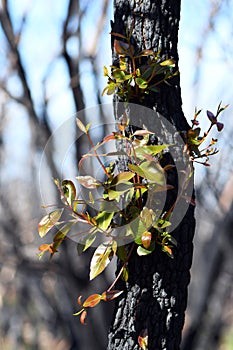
x=155, y=295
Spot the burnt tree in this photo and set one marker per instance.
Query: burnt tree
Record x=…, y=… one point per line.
x=155, y=295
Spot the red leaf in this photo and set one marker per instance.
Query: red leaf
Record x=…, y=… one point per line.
x=44, y=247
x=143, y=339
x=121, y=48
x=146, y=239
x=167, y=250
x=110, y=295
x=83, y=317
x=79, y=300
x=92, y=300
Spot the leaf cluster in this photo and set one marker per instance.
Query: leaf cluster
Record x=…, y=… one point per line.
x=194, y=139
x=138, y=73
x=119, y=206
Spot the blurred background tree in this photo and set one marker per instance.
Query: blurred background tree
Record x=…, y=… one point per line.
x=51, y=59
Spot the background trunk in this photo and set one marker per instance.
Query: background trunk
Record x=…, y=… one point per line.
x=155, y=295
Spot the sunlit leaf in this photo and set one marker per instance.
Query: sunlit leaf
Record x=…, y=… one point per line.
x=137, y=227
x=141, y=83
x=150, y=171
x=146, y=239
x=125, y=274
x=154, y=149
x=118, y=75
x=111, y=295
x=100, y=259
x=49, y=221
x=79, y=300
x=106, y=74
x=92, y=300
x=103, y=219
x=87, y=241
x=122, y=177
x=117, y=191
x=143, y=339
x=167, y=250
x=143, y=251
x=142, y=133
x=80, y=125
x=111, y=88
x=78, y=313
x=88, y=181
x=69, y=191
x=83, y=317
x=161, y=224
x=169, y=63
x=61, y=235
x=44, y=247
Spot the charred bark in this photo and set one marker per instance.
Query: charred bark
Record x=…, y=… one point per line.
x=155, y=295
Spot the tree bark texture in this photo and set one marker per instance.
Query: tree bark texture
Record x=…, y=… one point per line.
x=155, y=295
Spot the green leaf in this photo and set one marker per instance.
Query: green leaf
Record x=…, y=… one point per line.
x=125, y=274
x=153, y=88
x=137, y=169
x=89, y=240
x=141, y=83
x=100, y=259
x=161, y=224
x=122, y=177
x=150, y=171
x=106, y=74
x=119, y=75
x=152, y=150
x=61, y=234
x=142, y=251
x=111, y=88
x=78, y=313
x=168, y=63
x=69, y=191
x=49, y=221
x=122, y=253
x=153, y=172
x=121, y=188
x=137, y=227
x=103, y=219
x=147, y=216
x=147, y=72
x=88, y=181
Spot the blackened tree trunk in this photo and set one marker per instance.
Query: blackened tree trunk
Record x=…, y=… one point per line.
x=155, y=295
